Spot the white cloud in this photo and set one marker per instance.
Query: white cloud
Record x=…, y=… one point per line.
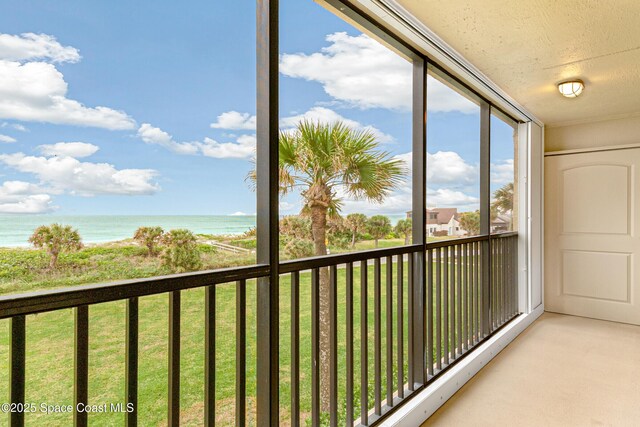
x=443, y=99
x=397, y=202
x=448, y=177
x=446, y=168
x=357, y=70
x=67, y=174
x=30, y=46
x=244, y=148
x=19, y=197
x=288, y=207
x=327, y=115
x=234, y=120
x=15, y=126
x=320, y=115
x=154, y=135
x=7, y=139
x=502, y=173
x=361, y=72
x=448, y=198
x=36, y=91
x=71, y=149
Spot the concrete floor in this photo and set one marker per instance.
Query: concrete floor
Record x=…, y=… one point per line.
x=561, y=371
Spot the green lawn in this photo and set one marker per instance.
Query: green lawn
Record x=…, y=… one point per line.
x=50, y=339
x=50, y=354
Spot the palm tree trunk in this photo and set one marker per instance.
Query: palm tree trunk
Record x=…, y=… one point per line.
x=406, y=239
x=376, y=240
x=353, y=240
x=53, y=260
x=319, y=232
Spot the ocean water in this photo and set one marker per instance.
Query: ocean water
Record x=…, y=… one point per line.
x=16, y=229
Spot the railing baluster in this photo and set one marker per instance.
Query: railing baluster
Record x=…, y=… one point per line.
x=364, y=349
x=465, y=263
x=429, y=311
x=508, y=282
x=459, y=299
x=469, y=292
x=445, y=305
x=478, y=266
x=174, y=359
x=503, y=271
x=349, y=349
x=494, y=293
x=400, y=326
x=377, y=370
x=471, y=295
x=16, y=370
x=498, y=284
x=131, y=362
x=471, y=298
x=438, y=301
x=410, y=374
x=295, y=349
x=241, y=352
x=210, y=356
x=505, y=244
x=474, y=294
x=81, y=364
x=514, y=277
x=452, y=301
x=389, y=318
x=333, y=345
x=315, y=347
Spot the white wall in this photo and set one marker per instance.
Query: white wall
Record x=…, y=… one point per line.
x=594, y=134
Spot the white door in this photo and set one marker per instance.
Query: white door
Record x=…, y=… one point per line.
x=592, y=242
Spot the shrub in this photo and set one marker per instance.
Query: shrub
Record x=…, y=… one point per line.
x=338, y=234
x=340, y=240
x=181, y=253
x=299, y=248
x=296, y=227
x=440, y=233
x=56, y=238
x=150, y=237
x=252, y=232
x=470, y=222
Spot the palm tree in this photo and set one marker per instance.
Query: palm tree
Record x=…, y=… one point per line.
x=150, y=237
x=503, y=198
x=356, y=223
x=503, y=201
x=56, y=238
x=378, y=226
x=325, y=161
x=403, y=228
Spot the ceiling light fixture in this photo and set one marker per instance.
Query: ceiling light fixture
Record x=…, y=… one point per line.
x=571, y=88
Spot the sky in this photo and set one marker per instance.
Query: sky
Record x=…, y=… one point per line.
x=149, y=107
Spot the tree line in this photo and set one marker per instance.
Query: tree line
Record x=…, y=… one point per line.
x=341, y=232
x=177, y=249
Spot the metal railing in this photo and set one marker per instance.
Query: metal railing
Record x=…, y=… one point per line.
x=381, y=329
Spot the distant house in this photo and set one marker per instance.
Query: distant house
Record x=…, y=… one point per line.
x=443, y=222
x=501, y=223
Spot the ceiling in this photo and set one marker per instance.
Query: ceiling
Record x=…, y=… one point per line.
x=527, y=47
